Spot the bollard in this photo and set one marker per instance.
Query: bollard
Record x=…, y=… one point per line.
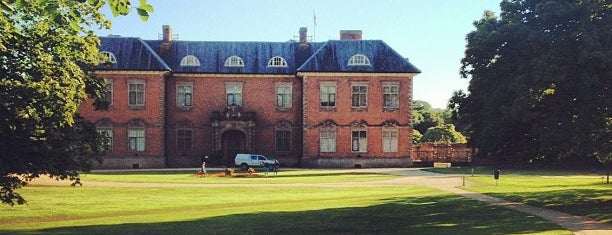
x=496, y=175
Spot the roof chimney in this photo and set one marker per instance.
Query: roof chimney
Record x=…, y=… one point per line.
x=167, y=33
x=350, y=34
x=303, y=36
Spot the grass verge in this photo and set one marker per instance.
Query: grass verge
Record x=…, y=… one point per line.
x=574, y=192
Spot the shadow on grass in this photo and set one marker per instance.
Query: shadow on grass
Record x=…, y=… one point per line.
x=585, y=202
x=448, y=214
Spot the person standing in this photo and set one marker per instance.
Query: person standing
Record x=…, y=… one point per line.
x=266, y=168
x=276, y=166
x=204, y=168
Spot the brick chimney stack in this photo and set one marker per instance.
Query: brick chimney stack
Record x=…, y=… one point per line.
x=166, y=34
x=350, y=34
x=303, y=36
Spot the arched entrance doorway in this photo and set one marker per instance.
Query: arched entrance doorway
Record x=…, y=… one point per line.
x=232, y=142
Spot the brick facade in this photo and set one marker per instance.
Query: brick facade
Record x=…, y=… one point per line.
x=269, y=102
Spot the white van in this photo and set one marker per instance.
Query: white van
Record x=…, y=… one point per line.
x=246, y=160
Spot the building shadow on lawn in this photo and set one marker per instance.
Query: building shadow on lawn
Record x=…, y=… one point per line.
x=446, y=214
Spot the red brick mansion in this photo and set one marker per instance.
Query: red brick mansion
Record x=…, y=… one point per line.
x=340, y=103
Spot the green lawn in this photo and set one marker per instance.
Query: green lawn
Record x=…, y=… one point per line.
x=280, y=209
x=575, y=192
x=187, y=177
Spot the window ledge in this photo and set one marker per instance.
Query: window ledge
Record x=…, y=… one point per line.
x=359, y=109
x=137, y=107
x=388, y=109
x=185, y=108
x=328, y=109
x=282, y=109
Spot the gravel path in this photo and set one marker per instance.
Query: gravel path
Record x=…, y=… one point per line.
x=412, y=176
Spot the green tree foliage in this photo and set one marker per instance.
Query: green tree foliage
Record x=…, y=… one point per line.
x=416, y=137
x=424, y=116
x=540, y=81
x=47, y=50
x=445, y=133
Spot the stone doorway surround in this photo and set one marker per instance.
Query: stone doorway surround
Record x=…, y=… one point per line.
x=232, y=119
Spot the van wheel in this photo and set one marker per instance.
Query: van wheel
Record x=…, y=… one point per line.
x=244, y=166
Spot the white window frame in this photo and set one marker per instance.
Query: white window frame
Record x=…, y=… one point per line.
x=136, y=139
x=328, y=94
x=108, y=91
x=391, y=95
x=107, y=134
x=390, y=138
x=234, y=61
x=138, y=89
x=359, y=141
x=107, y=56
x=327, y=141
x=184, y=95
x=233, y=93
x=360, y=95
x=190, y=61
x=359, y=60
x=277, y=62
x=284, y=93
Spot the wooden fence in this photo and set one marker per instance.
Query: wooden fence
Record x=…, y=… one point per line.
x=428, y=153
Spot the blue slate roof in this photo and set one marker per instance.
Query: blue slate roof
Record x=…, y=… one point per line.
x=131, y=54
x=334, y=57
x=212, y=56
x=331, y=56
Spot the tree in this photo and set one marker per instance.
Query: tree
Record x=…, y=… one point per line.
x=444, y=133
x=424, y=117
x=604, y=153
x=540, y=81
x=47, y=51
x=416, y=137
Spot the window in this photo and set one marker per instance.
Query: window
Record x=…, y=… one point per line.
x=359, y=141
x=328, y=141
x=108, y=57
x=283, y=141
x=390, y=141
x=359, y=60
x=136, y=139
x=190, y=61
x=183, y=139
x=184, y=95
x=108, y=92
x=390, y=95
x=107, y=135
x=278, y=62
x=136, y=93
x=359, y=95
x=283, y=95
x=234, y=61
x=233, y=91
x=328, y=94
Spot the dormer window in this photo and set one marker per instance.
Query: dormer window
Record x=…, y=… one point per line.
x=234, y=61
x=108, y=57
x=190, y=61
x=277, y=62
x=359, y=60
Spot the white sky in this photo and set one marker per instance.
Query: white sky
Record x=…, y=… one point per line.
x=430, y=33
